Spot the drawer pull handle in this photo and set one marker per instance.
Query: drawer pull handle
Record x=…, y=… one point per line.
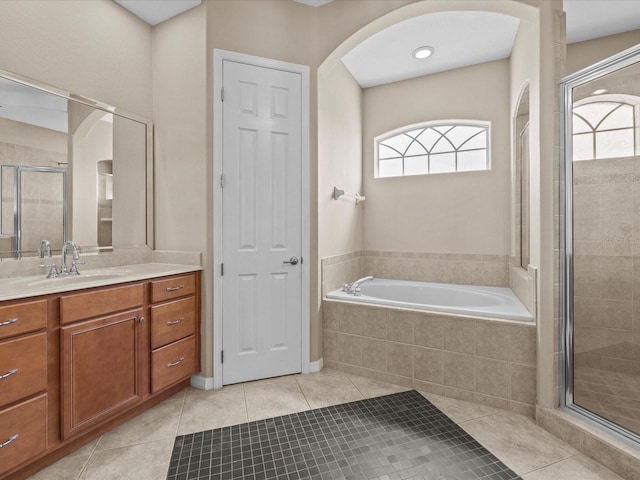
x=175, y=322
x=173, y=289
x=169, y=365
x=9, y=322
x=9, y=373
x=12, y=439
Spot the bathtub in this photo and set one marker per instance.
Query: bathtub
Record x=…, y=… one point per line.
x=477, y=301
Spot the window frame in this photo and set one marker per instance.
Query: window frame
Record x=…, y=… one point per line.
x=483, y=124
x=621, y=99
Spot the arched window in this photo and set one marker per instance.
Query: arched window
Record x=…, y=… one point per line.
x=454, y=146
x=605, y=126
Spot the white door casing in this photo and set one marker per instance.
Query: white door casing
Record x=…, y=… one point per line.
x=262, y=301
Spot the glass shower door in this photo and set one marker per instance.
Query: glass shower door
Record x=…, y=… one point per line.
x=602, y=231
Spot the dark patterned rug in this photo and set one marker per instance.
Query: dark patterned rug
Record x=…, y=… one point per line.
x=395, y=437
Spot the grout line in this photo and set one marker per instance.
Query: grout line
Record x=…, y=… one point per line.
x=84, y=466
x=184, y=401
x=547, y=465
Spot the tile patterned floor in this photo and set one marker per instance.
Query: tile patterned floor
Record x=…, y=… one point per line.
x=393, y=437
x=141, y=448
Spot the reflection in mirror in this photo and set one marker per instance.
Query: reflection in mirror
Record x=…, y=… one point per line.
x=603, y=185
x=70, y=171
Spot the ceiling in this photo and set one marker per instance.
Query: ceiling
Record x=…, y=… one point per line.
x=459, y=39
x=156, y=11
x=589, y=19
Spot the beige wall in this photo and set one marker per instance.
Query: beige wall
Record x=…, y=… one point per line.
x=444, y=213
x=93, y=48
x=583, y=54
x=340, y=222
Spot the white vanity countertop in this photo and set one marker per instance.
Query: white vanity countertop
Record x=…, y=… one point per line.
x=23, y=287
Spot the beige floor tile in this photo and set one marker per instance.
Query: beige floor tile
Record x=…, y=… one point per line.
x=518, y=441
x=370, y=388
x=69, y=467
x=459, y=410
x=157, y=423
x=273, y=400
x=145, y=461
x=209, y=409
x=323, y=391
x=574, y=468
x=272, y=381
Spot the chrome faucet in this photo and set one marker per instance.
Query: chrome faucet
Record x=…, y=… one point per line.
x=354, y=288
x=45, y=249
x=76, y=259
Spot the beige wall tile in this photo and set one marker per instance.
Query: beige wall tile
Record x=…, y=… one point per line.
x=428, y=364
x=587, y=311
x=329, y=316
x=491, y=339
x=523, y=383
x=491, y=401
x=329, y=346
x=429, y=330
x=374, y=354
x=350, y=318
x=400, y=327
x=459, y=335
x=400, y=359
x=522, y=344
x=617, y=285
x=493, y=377
x=459, y=370
x=350, y=349
x=374, y=323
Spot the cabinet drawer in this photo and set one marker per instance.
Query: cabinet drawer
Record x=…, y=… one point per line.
x=24, y=427
x=23, y=367
x=81, y=306
x=173, y=363
x=172, y=321
x=22, y=318
x=162, y=290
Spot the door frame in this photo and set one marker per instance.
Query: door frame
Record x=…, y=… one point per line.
x=219, y=56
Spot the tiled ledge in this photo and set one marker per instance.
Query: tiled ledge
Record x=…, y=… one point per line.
x=618, y=456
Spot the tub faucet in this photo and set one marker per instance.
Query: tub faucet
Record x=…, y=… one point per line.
x=354, y=288
x=76, y=257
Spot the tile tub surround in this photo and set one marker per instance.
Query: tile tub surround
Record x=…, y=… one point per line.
x=400, y=435
x=140, y=449
x=486, y=361
x=467, y=269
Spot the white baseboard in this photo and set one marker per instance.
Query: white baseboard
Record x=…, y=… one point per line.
x=315, y=366
x=201, y=382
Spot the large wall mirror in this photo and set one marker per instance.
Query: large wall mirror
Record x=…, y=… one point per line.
x=71, y=169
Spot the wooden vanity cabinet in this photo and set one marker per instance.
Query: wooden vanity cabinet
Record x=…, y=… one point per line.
x=89, y=360
x=23, y=382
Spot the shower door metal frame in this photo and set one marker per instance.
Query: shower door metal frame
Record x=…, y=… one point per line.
x=17, y=218
x=567, y=84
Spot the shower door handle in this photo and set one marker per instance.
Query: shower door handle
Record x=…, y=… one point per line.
x=291, y=261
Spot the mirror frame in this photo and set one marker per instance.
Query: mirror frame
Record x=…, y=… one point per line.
x=567, y=84
x=149, y=140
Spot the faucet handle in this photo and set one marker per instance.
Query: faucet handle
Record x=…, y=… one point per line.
x=53, y=270
x=74, y=267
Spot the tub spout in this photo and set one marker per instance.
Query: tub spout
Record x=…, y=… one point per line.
x=354, y=288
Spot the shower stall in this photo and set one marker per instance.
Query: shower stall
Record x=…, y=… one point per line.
x=33, y=206
x=600, y=243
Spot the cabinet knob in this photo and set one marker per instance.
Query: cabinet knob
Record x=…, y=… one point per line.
x=141, y=320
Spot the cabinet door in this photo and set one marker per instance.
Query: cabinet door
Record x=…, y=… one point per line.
x=100, y=360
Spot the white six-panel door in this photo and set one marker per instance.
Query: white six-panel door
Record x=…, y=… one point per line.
x=261, y=222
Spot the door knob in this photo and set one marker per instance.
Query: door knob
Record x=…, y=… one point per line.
x=292, y=261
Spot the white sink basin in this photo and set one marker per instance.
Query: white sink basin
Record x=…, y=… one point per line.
x=70, y=279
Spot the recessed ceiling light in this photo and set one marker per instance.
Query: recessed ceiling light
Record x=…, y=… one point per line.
x=422, y=52
x=600, y=91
